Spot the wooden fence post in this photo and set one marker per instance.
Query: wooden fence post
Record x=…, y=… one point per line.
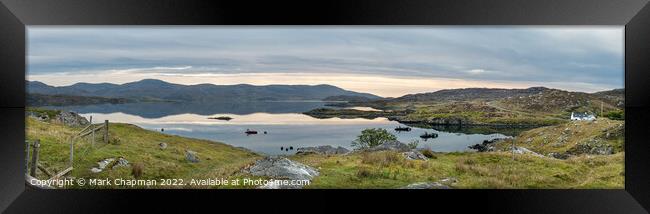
x=71, y=151
x=27, y=157
x=37, y=145
x=92, y=143
x=106, y=131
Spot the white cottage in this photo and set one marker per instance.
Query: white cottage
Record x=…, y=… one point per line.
x=582, y=116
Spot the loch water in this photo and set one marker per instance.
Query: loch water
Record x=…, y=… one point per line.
x=283, y=122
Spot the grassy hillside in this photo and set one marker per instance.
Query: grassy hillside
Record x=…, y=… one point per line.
x=533, y=106
x=137, y=145
x=560, y=102
x=477, y=112
x=575, y=137
x=472, y=170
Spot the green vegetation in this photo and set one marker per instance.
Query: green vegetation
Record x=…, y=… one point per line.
x=428, y=153
x=39, y=111
x=349, y=113
x=615, y=115
x=487, y=107
x=413, y=144
x=590, y=152
x=139, y=147
x=573, y=137
x=478, y=113
x=372, y=137
x=387, y=169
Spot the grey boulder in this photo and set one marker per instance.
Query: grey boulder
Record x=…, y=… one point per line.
x=323, y=150
x=390, y=146
x=414, y=155
x=279, y=184
x=191, y=156
x=282, y=168
x=426, y=185
x=71, y=119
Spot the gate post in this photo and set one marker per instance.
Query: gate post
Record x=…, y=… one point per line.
x=27, y=156
x=37, y=145
x=106, y=131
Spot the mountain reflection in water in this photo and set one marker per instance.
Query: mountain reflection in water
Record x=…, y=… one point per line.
x=283, y=121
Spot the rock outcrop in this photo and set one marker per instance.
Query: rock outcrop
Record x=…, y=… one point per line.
x=71, y=119
x=390, y=146
x=282, y=168
x=426, y=185
x=414, y=155
x=323, y=150
x=594, y=147
x=444, y=183
x=191, y=156
x=522, y=150
x=486, y=145
x=101, y=165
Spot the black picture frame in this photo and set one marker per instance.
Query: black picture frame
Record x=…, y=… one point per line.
x=15, y=15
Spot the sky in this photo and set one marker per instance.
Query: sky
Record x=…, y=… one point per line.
x=386, y=61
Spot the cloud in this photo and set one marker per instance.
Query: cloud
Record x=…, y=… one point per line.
x=476, y=71
x=574, y=55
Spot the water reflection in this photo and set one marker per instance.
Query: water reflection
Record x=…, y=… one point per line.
x=283, y=122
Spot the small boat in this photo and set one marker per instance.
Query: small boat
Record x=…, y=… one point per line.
x=248, y=131
x=226, y=118
x=429, y=135
x=406, y=129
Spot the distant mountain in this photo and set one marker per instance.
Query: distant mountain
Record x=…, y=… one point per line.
x=152, y=89
x=615, y=97
x=531, y=100
x=466, y=94
x=349, y=98
x=554, y=100
x=66, y=100
x=614, y=92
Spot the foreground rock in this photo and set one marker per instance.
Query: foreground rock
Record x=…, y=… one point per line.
x=282, y=168
x=191, y=156
x=522, y=150
x=441, y=184
x=593, y=146
x=71, y=119
x=556, y=155
x=110, y=163
x=279, y=184
x=426, y=185
x=390, y=146
x=102, y=165
x=486, y=146
x=121, y=162
x=414, y=155
x=323, y=150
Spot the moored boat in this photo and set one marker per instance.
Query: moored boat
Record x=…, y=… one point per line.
x=429, y=135
x=406, y=129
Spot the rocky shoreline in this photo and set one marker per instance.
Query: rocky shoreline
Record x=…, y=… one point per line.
x=401, y=117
